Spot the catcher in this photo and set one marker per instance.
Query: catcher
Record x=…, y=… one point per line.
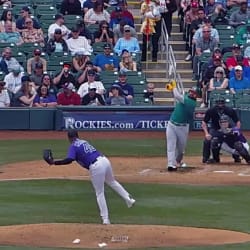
x=178, y=126
x=99, y=167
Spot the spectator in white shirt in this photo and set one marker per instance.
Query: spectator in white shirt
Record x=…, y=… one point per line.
x=4, y=96
x=77, y=42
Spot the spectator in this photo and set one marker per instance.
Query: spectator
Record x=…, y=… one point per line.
x=191, y=14
x=48, y=82
x=88, y=4
x=31, y=34
x=127, y=42
x=205, y=43
x=77, y=42
x=238, y=82
x=125, y=13
x=4, y=96
x=37, y=74
x=127, y=63
x=10, y=36
x=92, y=98
x=24, y=14
x=246, y=69
x=117, y=15
x=71, y=7
x=149, y=94
x=106, y=61
x=96, y=14
x=212, y=7
x=31, y=62
x=7, y=16
x=127, y=89
x=57, y=43
x=79, y=60
x=151, y=33
x=119, y=31
x=217, y=52
x=82, y=78
x=7, y=61
x=58, y=24
x=44, y=98
x=64, y=76
x=221, y=18
x=247, y=53
x=243, y=34
x=84, y=31
x=6, y=4
x=13, y=79
x=231, y=61
x=25, y=95
x=104, y=34
x=239, y=16
x=84, y=88
x=68, y=96
x=117, y=97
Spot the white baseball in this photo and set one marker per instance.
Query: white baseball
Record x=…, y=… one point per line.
x=76, y=241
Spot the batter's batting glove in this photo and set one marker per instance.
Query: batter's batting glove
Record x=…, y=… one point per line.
x=48, y=156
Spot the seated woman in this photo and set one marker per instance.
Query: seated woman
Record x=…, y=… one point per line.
x=127, y=63
x=44, y=98
x=31, y=34
x=79, y=60
x=104, y=34
x=48, y=82
x=117, y=97
x=7, y=16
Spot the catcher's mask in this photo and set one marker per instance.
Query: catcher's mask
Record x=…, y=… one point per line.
x=224, y=121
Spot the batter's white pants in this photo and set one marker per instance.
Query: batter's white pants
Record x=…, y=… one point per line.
x=176, y=142
x=100, y=173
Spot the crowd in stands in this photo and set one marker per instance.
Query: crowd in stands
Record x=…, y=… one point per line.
x=217, y=35
x=58, y=54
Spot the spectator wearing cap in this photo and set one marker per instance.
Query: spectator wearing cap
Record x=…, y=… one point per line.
x=231, y=61
x=58, y=24
x=64, y=76
x=88, y=4
x=77, y=42
x=127, y=63
x=117, y=15
x=217, y=53
x=4, y=96
x=56, y=44
x=31, y=62
x=125, y=13
x=117, y=97
x=71, y=7
x=127, y=89
x=239, y=16
x=83, y=90
x=7, y=16
x=24, y=14
x=104, y=34
x=10, y=35
x=82, y=78
x=30, y=34
x=238, y=82
x=92, y=98
x=7, y=61
x=25, y=95
x=44, y=98
x=13, y=79
x=243, y=34
x=79, y=60
x=245, y=69
x=96, y=14
x=127, y=42
x=106, y=61
x=119, y=31
x=191, y=13
x=68, y=96
x=37, y=74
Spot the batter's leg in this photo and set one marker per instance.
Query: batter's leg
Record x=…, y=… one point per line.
x=171, y=144
x=182, y=136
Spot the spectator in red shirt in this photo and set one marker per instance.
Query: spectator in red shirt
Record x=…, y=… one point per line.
x=68, y=96
x=124, y=13
x=231, y=61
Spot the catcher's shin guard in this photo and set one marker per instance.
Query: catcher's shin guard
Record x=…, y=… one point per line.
x=206, y=150
x=242, y=151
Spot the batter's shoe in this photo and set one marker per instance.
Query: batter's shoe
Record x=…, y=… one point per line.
x=130, y=202
x=106, y=222
x=172, y=168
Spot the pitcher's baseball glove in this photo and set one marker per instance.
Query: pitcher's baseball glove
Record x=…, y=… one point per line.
x=48, y=156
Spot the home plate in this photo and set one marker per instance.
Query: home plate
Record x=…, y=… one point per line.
x=223, y=171
x=145, y=171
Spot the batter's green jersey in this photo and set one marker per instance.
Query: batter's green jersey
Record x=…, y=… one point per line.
x=183, y=112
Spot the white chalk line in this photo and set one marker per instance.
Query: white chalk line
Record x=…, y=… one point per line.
x=145, y=171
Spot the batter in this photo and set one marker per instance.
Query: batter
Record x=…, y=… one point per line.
x=100, y=170
x=178, y=126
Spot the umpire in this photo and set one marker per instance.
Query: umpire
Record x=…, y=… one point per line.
x=212, y=118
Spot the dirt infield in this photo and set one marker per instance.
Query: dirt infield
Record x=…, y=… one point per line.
x=141, y=170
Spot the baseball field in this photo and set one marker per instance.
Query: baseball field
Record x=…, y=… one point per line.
x=48, y=207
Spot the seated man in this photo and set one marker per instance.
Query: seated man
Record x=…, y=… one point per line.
x=239, y=16
x=106, y=61
x=68, y=96
x=4, y=96
x=92, y=98
x=117, y=96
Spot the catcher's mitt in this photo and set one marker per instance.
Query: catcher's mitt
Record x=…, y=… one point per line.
x=48, y=156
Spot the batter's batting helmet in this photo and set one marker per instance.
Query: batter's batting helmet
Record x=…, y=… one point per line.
x=193, y=92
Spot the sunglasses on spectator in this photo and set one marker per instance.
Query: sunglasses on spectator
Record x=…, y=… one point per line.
x=206, y=31
x=219, y=72
x=28, y=22
x=104, y=27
